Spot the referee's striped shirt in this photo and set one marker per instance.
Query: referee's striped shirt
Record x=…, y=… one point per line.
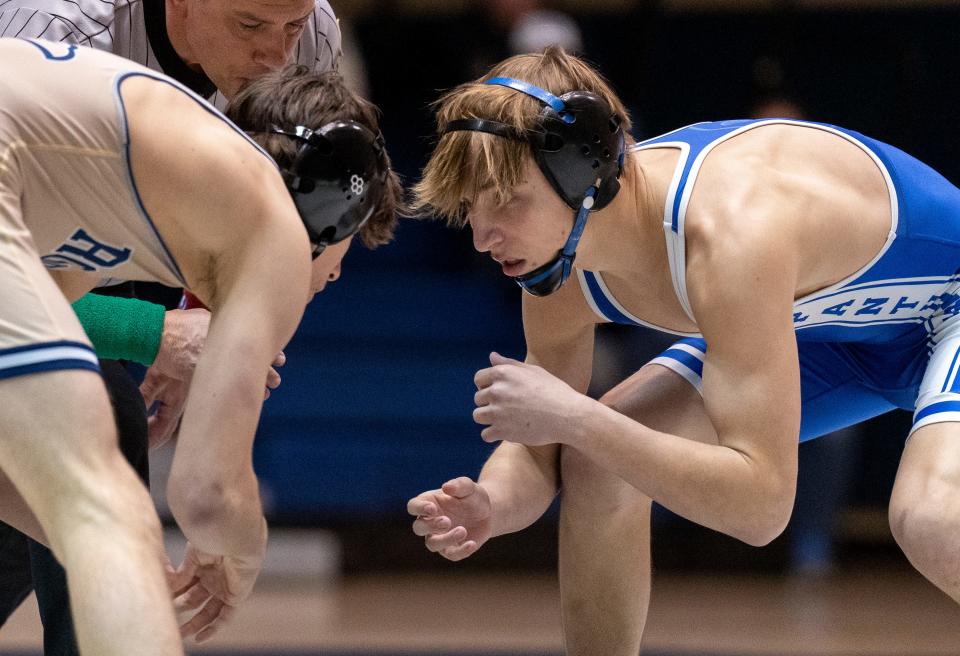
x=136, y=29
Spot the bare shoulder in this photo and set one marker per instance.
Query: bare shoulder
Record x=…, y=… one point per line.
x=738, y=175
x=204, y=184
x=740, y=233
x=185, y=148
x=741, y=222
x=786, y=168
x=789, y=193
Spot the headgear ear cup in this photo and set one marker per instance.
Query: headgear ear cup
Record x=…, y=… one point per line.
x=575, y=154
x=336, y=179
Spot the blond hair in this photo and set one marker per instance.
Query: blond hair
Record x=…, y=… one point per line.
x=465, y=163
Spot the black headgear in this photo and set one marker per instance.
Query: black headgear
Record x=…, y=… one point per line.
x=336, y=179
x=578, y=144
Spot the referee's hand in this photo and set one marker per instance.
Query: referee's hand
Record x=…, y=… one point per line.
x=182, y=340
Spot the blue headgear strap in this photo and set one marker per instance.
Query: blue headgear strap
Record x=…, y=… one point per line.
x=565, y=257
x=542, y=95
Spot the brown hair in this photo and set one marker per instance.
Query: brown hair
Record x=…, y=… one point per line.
x=298, y=96
x=465, y=163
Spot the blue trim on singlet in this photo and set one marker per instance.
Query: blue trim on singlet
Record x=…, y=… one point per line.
x=690, y=361
x=950, y=373
x=26, y=348
x=50, y=365
x=943, y=406
x=67, y=56
x=698, y=136
x=122, y=111
x=933, y=280
x=48, y=356
x=606, y=308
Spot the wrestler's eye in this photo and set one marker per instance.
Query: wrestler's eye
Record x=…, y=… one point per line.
x=250, y=27
x=511, y=202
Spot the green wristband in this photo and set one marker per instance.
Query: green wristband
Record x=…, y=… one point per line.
x=121, y=328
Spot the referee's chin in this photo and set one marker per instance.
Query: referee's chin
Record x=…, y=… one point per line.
x=235, y=85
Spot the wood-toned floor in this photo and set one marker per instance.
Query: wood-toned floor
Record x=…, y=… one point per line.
x=881, y=613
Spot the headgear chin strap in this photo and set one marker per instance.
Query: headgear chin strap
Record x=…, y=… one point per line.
x=578, y=144
x=336, y=179
x=548, y=278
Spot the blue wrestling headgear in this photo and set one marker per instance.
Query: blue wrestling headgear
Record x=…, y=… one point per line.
x=336, y=178
x=579, y=146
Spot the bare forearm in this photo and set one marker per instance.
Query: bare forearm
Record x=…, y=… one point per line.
x=521, y=482
x=213, y=489
x=712, y=485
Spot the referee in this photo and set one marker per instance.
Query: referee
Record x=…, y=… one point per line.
x=213, y=47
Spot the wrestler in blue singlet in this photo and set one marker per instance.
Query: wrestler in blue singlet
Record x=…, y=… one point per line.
x=886, y=336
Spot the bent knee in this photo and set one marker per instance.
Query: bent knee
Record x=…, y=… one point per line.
x=579, y=471
x=916, y=520
x=924, y=514
x=924, y=508
x=586, y=484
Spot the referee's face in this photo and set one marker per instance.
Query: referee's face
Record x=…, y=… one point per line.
x=234, y=41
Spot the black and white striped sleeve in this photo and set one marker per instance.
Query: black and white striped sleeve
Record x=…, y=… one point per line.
x=72, y=21
x=326, y=38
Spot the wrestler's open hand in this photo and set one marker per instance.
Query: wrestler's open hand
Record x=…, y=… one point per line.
x=454, y=520
x=207, y=590
x=526, y=404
